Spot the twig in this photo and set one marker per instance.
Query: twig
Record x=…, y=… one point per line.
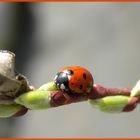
x=62, y=98
x=17, y=96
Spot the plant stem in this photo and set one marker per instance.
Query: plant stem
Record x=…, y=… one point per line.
x=61, y=98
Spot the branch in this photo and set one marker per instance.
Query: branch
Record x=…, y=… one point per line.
x=17, y=96
x=62, y=98
x=106, y=99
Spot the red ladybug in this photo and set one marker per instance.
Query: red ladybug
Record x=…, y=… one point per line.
x=74, y=79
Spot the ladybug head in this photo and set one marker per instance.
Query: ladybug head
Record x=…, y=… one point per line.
x=62, y=80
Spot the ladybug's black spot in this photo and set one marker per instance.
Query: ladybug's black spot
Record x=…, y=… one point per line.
x=84, y=76
x=70, y=72
x=72, y=83
x=81, y=86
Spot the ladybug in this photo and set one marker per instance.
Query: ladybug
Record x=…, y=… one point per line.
x=74, y=79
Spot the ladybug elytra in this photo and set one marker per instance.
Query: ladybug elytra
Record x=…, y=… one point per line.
x=74, y=79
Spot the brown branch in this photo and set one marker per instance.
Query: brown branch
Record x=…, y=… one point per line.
x=61, y=98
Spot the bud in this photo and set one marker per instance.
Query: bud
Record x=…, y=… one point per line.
x=35, y=99
x=136, y=90
x=9, y=110
x=51, y=86
x=111, y=104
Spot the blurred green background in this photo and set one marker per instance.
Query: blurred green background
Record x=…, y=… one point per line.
x=103, y=37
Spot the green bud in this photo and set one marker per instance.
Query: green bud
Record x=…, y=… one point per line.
x=9, y=110
x=35, y=99
x=51, y=86
x=136, y=90
x=110, y=104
